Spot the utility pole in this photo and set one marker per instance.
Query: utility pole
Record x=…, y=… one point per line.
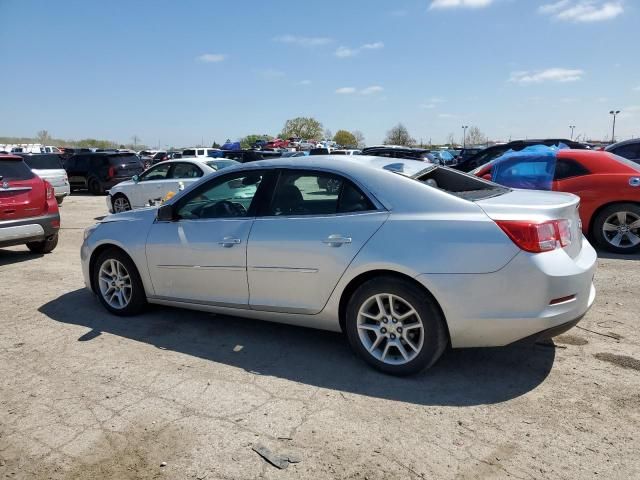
x=613, y=130
x=464, y=136
x=572, y=127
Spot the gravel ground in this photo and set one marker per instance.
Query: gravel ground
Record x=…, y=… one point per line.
x=85, y=395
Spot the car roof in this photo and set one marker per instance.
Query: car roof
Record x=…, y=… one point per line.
x=9, y=156
x=631, y=141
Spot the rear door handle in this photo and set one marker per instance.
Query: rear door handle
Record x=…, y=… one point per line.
x=229, y=242
x=336, y=240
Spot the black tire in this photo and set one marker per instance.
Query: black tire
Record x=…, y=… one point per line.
x=435, y=335
x=125, y=200
x=59, y=200
x=603, y=240
x=138, y=300
x=94, y=187
x=45, y=246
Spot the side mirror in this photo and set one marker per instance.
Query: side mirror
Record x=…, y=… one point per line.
x=135, y=179
x=165, y=213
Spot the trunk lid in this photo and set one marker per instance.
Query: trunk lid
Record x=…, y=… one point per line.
x=56, y=177
x=22, y=199
x=537, y=205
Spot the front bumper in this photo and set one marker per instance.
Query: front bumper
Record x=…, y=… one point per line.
x=21, y=231
x=500, y=308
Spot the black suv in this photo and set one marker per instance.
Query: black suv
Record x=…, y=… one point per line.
x=399, y=152
x=629, y=149
x=98, y=172
x=489, y=153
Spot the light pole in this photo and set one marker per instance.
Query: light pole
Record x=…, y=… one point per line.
x=613, y=131
x=464, y=136
x=572, y=127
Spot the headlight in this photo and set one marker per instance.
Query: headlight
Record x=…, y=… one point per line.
x=89, y=230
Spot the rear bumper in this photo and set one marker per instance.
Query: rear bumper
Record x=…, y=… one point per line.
x=62, y=191
x=500, y=308
x=19, y=232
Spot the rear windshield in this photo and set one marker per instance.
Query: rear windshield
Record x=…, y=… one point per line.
x=626, y=161
x=189, y=152
x=119, y=159
x=460, y=184
x=220, y=164
x=14, y=170
x=43, y=161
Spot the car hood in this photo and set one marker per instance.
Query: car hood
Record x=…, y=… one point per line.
x=121, y=185
x=148, y=214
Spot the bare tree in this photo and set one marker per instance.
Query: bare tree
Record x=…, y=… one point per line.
x=328, y=134
x=475, y=136
x=43, y=137
x=359, y=136
x=399, y=135
x=135, y=139
x=451, y=140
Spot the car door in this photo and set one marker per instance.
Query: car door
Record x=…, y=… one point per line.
x=201, y=255
x=150, y=185
x=303, y=241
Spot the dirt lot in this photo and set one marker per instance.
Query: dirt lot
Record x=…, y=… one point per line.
x=87, y=395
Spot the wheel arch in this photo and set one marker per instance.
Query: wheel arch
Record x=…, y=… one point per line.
x=366, y=276
x=97, y=252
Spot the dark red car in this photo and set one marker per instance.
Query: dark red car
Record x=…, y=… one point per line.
x=276, y=143
x=608, y=187
x=28, y=209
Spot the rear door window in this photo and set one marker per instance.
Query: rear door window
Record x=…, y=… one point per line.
x=14, y=170
x=185, y=170
x=159, y=172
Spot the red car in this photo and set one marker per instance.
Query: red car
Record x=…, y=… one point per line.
x=28, y=209
x=608, y=187
x=276, y=143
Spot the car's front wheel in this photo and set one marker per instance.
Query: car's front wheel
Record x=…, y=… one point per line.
x=617, y=228
x=121, y=203
x=118, y=284
x=395, y=326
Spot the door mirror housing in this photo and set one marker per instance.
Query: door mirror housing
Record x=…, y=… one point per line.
x=135, y=179
x=165, y=214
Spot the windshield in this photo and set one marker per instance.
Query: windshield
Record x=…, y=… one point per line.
x=43, y=161
x=220, y=164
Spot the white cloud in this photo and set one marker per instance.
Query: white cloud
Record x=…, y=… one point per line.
x=447, y=115
x=432, y=103
x=345, y=52
x=561, y=75
x=439, y=4
x=637, y=89
x=583, y=11
x=211, y=57
x=304, y=82
x=373, y=89
x=303, y=41
x=399, y=13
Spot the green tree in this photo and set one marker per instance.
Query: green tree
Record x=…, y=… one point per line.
x=345, y=138
x=399, y=135
x=303, y=127
x=249, y=140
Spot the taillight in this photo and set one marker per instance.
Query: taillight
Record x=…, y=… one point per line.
x=537, y=237
x=49, y=190
x=112, y=172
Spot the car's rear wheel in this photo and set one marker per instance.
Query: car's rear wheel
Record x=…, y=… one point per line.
x=395, y=326
x=121, y=203
x=617, y=228
x=45, y=246
x=94, y=187
x=118, y=284
x=59, y=200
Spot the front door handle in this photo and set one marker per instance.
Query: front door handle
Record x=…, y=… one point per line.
x=336, y=240
x=229, y=242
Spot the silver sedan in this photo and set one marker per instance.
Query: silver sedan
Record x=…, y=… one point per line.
x=405, y=257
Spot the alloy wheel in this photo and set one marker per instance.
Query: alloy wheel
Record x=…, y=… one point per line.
x=121, y=204
x=622, y=229
x=390, y=329
x=115, y=284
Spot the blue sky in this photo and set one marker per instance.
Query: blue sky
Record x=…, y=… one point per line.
x=177, y=72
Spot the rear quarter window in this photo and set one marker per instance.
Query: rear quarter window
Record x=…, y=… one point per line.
x=14, y=170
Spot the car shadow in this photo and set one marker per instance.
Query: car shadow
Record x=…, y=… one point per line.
x=313, y=357
x=8, y=257
x=618, y=256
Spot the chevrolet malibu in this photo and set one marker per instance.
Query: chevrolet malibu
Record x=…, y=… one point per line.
x=405, y=257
